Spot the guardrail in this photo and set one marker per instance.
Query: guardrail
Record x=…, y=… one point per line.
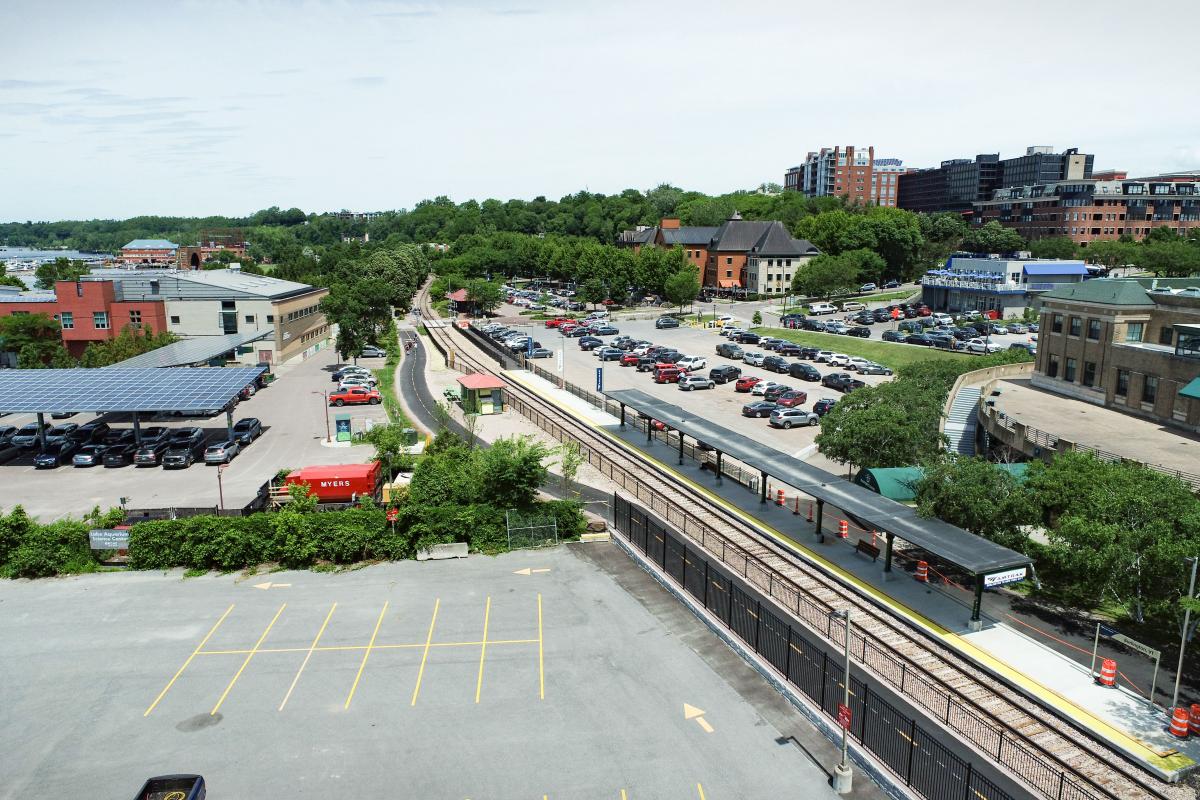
x=986, y=375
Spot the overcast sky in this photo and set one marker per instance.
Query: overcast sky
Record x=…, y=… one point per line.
x=111, y=109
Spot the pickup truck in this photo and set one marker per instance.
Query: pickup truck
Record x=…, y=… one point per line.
x=173, y=787
x=357, y=395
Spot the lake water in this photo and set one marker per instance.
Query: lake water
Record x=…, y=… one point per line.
x=10, y=254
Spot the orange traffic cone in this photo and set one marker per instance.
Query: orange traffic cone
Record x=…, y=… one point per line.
x=843, y=530
x=1194, y=723
x=1108, y=676
x=922, y=571
x=1179, y=723
x=796, y=507
x=810, y=510
x=779, y=501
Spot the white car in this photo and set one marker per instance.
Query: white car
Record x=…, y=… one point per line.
x=823, y=356
x=761, y=387
x=753, y=359
x=730, y=333
x=983, y=346
x=692, y=363
x=838, y=360
x=856, y=363
x=640, y=350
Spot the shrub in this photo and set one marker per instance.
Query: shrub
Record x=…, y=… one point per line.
x=45, y=550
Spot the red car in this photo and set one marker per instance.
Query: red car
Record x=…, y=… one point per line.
x=566, y=327
x=792, y=399
x=746, y=384
x=629, y=360
x=556, y=321
x=925, y=311
x=356, y=395
x=668, y=374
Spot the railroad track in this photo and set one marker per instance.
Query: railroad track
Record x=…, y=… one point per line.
x=1050, y=755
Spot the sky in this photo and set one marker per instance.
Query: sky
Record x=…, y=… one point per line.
x=115, y=109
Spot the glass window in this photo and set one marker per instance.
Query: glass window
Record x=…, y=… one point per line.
x=1134, y=331
x=1122, y=383
x=1076, y=326
x=1094, y=330
x=67, y=320
x=1166, y=335
x=1089, y=373
x=1052, y=367
x=728, y=260
x=1069, y=371
x=1149, y=389
x=1187, y=345
x=100, y=320
x=249, y=319
x=174, y=320
x=135, y=317
x=1056, y=323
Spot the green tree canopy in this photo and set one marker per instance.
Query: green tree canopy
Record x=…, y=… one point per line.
x=36, y=339
x=978, y=496
x=1054, y=247
x=60, y=269
x=992, y=238
x=826, y=276
x=682, y=287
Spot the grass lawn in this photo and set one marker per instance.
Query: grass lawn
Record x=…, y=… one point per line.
x=889, y=354
x=886, y=297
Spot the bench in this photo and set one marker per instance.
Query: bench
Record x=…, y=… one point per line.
x=867, y=549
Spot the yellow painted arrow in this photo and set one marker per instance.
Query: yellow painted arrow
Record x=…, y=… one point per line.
x=691, y=712
x=531, y=571
x=269, y=585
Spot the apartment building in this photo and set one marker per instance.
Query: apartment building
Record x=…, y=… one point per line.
x=850, y=172
x=958, y=184
x=1132, y=346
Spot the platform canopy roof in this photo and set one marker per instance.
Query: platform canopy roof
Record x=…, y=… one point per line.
x=957, y=546
x=187, y=352
x=122, y=389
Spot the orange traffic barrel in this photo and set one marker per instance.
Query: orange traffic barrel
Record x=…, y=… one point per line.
x=1194, y=724
x=1108, y=677
x=923, y=571
x=779, y=498
x=1179, y=723
x=843, y=529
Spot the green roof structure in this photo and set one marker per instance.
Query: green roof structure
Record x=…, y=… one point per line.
x=1102, y=291
x=900, y=483
x=1192, y=389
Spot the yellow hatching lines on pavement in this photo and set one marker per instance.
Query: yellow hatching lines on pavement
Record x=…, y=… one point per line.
x=425, y=655
x=487, y=615
x=700, y=791
x=307, y=656
x=366, y=655
x=332, y=647
x=249, y=656
x=179, y=672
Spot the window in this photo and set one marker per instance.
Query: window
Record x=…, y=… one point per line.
x=728, y=273
x=728, y=260
x=270, y=319
x=1122, y=383
x=1069, y=371
x=100, y=320
x=174, y=320
x=1166, y=335
x=1089, y=373
x=1052, y=367
x=1076, y=326
x=249, y=319
x=1134, y=331
x=1056, y=324
x=1149, y=389
x=67, y=320
x=135, y=317
x=1094, y=330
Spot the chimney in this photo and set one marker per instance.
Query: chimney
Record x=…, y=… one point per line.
x=669, y=223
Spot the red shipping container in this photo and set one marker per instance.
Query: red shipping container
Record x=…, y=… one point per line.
x=338, y=483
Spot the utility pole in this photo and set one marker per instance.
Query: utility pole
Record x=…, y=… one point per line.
x=1187, y=621
x=843, y=776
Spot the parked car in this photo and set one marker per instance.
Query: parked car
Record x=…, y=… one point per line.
x=246, y=430
x=746, y=383
x=922, y=339
x=118, y=436
x=179, y=456
x=867, y=287
x=91, y=455
x=666, y=322
x=761, y=388
x=852, y=305
x=789, y=349
x=823, y=356
x=1029, y=348
x=60, y=433
x=775, y=364
x=760, y=409
x=983, y=346
x=769, y=343
x=541, y=352
x=609, y=353
x=590, y=343
x=670, y=357
x=893, y=336
x=822, y=308
x=356, y=396
x=791, y=398
x=860, y=332
x=730, y=350
x=689, y=382
x=892, y=285
x=805, y=372
x=150, y=453
x=839, y=328
x=724, y=373
x=792, y=417
x=222, y=452
x=606, y=330
x=646, y=363
x=773, y=393
x=1017, y=327
x=118, y=455
x=822, y=406
x=874, y=369
x=371, y=351
x=838, y=360
x=753, y=359
x=692, y=363
x=669, y=374
x=853, y=363
x=55, y=455
x=629, y=360
x=747, y=337
x=838, y=380
x=26, y=437
x=90, y=432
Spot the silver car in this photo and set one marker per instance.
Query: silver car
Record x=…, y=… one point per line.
x=792, y=417
x=222, y=452
x=689, y=382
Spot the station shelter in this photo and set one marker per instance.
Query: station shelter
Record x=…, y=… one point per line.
x=482, y=393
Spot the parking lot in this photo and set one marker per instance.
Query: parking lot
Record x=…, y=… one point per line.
x=560, y=673
x=293, y=414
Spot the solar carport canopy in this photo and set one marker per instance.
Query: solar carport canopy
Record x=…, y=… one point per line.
x=973, y=553
x=121, y=389
x=193, y=351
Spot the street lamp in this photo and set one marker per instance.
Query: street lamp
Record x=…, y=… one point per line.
x=1187, y=620
x=325, y=409
x=843, y=776
x=220, y=488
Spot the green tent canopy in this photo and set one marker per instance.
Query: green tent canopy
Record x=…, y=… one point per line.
x=900, y=483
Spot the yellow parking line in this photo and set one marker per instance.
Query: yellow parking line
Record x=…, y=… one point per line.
x=541, y=667
x=195, y=652
x=428, y=640
x=307, y=656
x=623, y=797
x=366, y=655
x=487, y=615
x=249, y=656
x=332, y=647
x=700, y=791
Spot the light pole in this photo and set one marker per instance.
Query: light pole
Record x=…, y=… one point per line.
x=325, y=410
x=843, y=776
x=1187, y=620
x=220, y=487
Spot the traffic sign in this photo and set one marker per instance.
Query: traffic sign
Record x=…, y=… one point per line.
x=844, y=716
x=393, y=514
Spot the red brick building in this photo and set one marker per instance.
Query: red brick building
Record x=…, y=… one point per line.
x=853, y=173
x=149, y=252
x=88, y=311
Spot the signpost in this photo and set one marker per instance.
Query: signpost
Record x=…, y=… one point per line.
x=844, y=716
x=1132, y=644
x=341, y=427
x=600, y=380
x=1006, y=577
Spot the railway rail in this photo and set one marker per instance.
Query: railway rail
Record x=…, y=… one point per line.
x=1050, y=755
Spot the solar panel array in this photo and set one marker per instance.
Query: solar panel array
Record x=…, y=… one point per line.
x=122, y=389
x=192, y=351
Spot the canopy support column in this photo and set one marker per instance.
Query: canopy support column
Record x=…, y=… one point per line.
x=818, y=532
x=887, y=555
x=229, y=421
x=137, y=430
x=680, y=447
x=649, y=430
x=976, y=623
x=762, y=488
x=41, y=431
x=719, y=455
x=622, y=416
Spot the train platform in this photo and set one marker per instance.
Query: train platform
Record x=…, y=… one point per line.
x=941, y=607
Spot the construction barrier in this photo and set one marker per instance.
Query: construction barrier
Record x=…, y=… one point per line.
x=810, y=505
x=779, y=501
x=1108, y=677
x=923, y=571
x=843, y=530
x=1179, y=723
x=1194, y=724
x=796, y=508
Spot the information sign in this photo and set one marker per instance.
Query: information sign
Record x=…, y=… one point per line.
x=600, y=380
x=108, y=539
x=1001, y=578
x=844, y=716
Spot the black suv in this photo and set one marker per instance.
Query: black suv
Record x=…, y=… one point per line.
x=789, y=349
x=861, y=332
x=746, y=337
x=893, y=336
x=150, y=453
x=805, y=372
x=666, y=322
x=822, y=406
x=775, y=364
x=247, y=430
x=724, y=373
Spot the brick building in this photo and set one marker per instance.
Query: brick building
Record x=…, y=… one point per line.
x=88, y=311
x=853, y=173
x=1093, y=210
x=149, y=252
x=1132, y=346
x=738, y=244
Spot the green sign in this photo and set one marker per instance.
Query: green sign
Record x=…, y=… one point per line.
x=341, y=425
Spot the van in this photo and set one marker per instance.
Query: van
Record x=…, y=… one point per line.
x=822, y=308
x=852, y=305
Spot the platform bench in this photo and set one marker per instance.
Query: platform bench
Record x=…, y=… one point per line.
x=867, y=549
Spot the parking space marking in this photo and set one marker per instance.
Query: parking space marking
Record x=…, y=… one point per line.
x=700, y=790
x=541, y=667
x=307, y=656
x=249, y=656
x=425, y=655
x=332, y=647
x=366, y=655
x=487, y=615
x=179, y=672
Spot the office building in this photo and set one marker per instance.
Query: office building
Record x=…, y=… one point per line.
x=1005, y=285
x=958, y=184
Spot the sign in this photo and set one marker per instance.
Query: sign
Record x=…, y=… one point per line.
x=108, y=539
x=393, y=514
x=341, y=425
x=560, y=359
x=1134, y=644
x=529, y=346
x=1001, y=578
x=844, y=716
x=600, y=380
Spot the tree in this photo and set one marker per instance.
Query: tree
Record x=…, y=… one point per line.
x=825, y=276
x=128, y=343
x=60, y=269
x=682, y=287
x=35, y=338
x=1174, y=258
x=592, y=291
x=868, y=265
x=757, y=318
x=1054, y=247
x=992, y=238
x=12, y=280
x=881, y=426
x=977, y=496
x=511, y=471
x=1109, y=253
x=389, y=446
x=484, y=294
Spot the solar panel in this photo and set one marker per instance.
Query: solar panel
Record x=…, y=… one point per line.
x=192, y=351
x=122, y=389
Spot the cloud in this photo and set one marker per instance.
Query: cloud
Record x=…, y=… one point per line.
x=10, y=83
x=367, y=80
x=284, y=71
x=413, y=14
x=515, y=12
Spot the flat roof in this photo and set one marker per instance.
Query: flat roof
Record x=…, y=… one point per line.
x=962, y=548
x=187, y=352
x=122, y=389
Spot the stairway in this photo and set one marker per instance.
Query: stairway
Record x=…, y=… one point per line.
x=960, y=423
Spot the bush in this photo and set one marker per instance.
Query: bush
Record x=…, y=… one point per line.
x=45, y=550
x=568, y=514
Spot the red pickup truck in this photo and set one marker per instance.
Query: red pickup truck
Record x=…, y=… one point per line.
x=355, y=395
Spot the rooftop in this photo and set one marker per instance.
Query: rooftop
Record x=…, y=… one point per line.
x=480, y=380
x=169, y=282
x=150, y=244
x=1103, y=291
x=196, y=350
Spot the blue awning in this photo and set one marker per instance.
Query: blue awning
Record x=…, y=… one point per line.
x=1065, y=268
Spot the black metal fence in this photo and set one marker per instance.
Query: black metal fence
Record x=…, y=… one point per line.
x=908, y=750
